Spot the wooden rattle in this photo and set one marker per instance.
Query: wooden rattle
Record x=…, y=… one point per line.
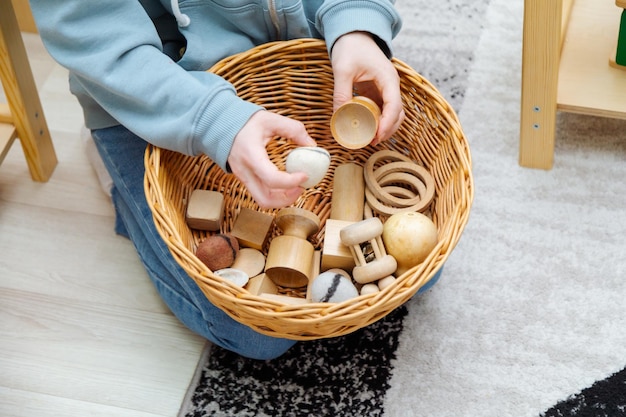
x=369, y=230
x=290, y=256
x=355, y=122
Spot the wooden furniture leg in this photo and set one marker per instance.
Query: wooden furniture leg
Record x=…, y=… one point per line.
x=23, y=118
x=540, y=66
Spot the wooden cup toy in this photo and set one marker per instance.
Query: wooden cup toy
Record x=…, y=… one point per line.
x=355, y=122
x=290, y=256
x=368, y=231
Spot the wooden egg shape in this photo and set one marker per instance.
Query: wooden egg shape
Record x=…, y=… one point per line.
x=312, y=160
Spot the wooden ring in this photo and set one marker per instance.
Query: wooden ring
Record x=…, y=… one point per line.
x=419, y=174
x=399, y=199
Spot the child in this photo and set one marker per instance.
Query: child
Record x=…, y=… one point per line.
x=138, y=69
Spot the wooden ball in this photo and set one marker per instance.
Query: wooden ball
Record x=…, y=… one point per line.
x=409, y=237
x=218, y=251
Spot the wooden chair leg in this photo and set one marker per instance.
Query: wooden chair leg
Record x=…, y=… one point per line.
x=540, y=65
x=26, y=112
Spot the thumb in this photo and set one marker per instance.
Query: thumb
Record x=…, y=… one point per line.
x=294, y=130
x=342, y=90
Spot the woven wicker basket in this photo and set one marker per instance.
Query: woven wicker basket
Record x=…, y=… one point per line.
x=294, y=78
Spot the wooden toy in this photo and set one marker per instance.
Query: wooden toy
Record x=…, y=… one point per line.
x=290, y=255
x=369, y=266
x=218, y=251
x=251, y=261
x=251, y=228
x=312, y=160
x=332, y=287
x=236, y=276
x=348, y=193
x=205, y=210
x=398, y=185
x=261, y=284
x=409, y=238
x=385, y=282
x=355, y=123
x=369, y=289
x=334, y=253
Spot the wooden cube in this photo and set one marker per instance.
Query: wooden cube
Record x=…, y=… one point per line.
x=251, y=228
x=205, y=210
x=334, y=253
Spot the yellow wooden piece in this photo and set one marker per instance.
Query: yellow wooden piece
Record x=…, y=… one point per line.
x=24, y=16
x=540, y=63
x=7, y=136
x=564, y=67
x=25, y=107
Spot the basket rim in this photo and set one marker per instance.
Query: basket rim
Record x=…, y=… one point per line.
x=312, y=314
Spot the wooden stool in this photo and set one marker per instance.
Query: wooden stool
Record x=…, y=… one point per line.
x=23, y=117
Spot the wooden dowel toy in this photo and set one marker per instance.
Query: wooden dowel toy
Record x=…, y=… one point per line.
x=348, y=193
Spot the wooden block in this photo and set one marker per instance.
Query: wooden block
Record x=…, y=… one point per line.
x=205, y=210
x=251, y=228
x=261, y=284
x=334, y=253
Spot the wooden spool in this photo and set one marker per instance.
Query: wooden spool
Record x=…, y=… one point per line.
x=290, y=256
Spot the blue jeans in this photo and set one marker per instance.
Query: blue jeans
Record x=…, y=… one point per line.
x=123, y=156
x=123, y=153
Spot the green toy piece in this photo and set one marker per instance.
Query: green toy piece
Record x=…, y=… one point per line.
x=620, y=56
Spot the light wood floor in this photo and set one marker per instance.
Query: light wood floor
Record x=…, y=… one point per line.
x=82, y=331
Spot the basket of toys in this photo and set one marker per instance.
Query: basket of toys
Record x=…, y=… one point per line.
x=377, y=227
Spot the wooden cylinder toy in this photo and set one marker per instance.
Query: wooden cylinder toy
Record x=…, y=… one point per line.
x=355, y=122
x=348, y=193
x=290, y=256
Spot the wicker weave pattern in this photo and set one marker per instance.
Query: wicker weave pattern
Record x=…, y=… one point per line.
x=294, y=78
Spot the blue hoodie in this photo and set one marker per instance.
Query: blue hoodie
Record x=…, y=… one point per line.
x=142, y=64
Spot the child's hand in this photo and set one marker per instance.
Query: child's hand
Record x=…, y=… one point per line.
x=359, y=64
x=248, y=159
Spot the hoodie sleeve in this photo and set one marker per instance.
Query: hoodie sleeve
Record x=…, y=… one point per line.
x=115, y=55
x=378, y=17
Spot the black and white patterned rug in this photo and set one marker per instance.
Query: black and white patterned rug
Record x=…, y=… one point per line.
x=528, y=318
